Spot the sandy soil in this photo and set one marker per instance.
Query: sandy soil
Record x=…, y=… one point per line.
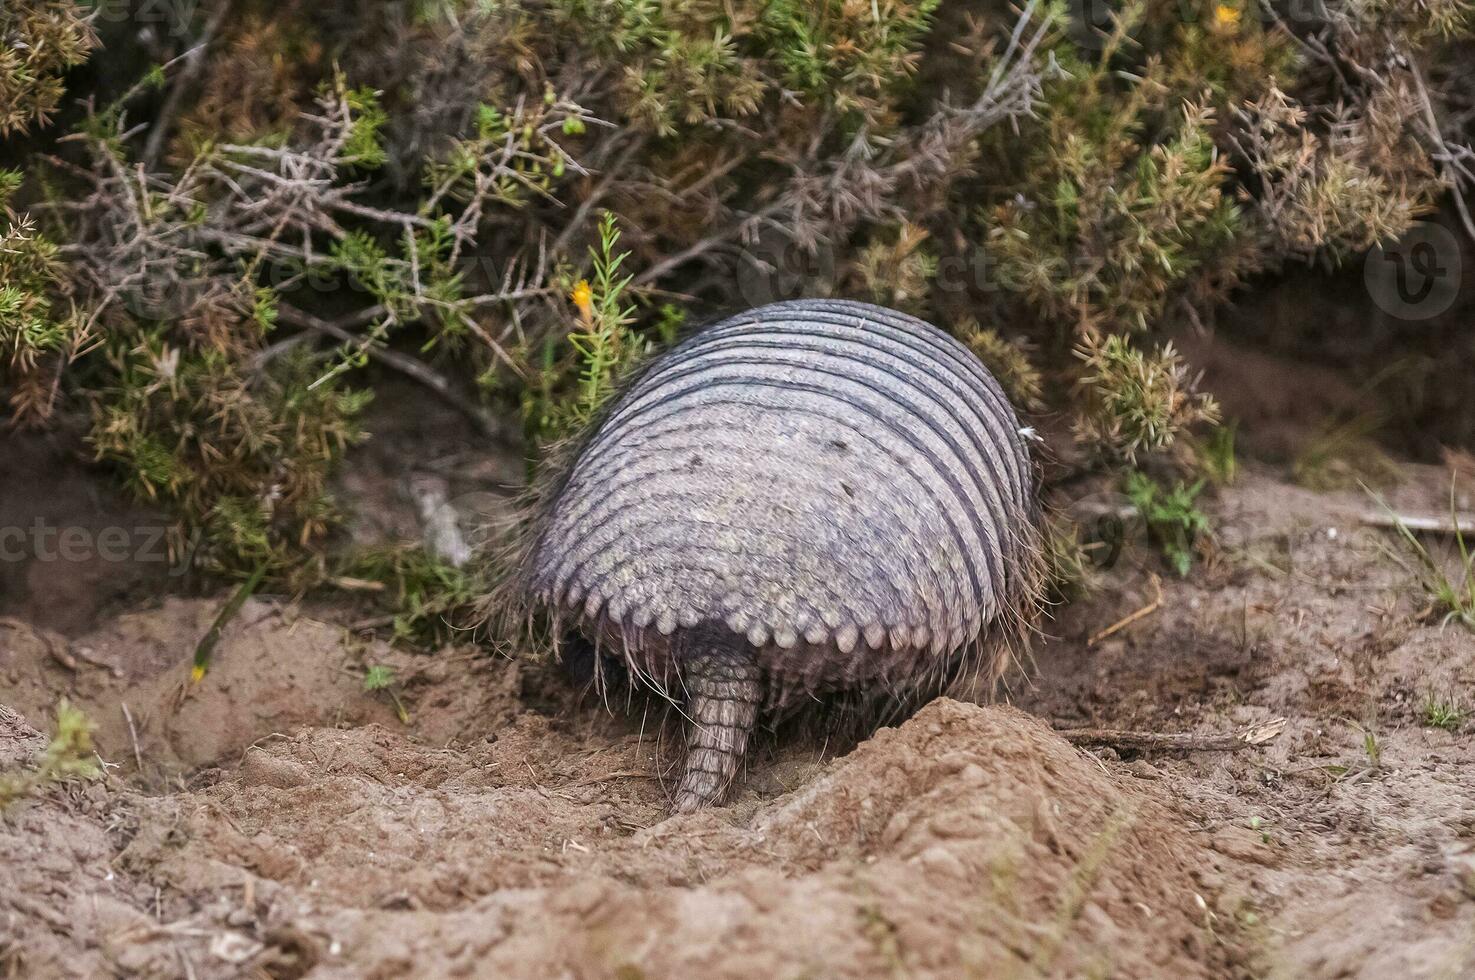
x=277, y=820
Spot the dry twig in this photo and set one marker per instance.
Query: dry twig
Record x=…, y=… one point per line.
x=1128, y=620
x=1254, y=735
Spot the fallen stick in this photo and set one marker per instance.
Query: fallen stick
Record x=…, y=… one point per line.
x=133, y=734
x=1454, y=524
x=1128, y=620
x=1175, y=741
x=62, y=657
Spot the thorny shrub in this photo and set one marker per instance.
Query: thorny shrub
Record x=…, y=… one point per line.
x=513, y=203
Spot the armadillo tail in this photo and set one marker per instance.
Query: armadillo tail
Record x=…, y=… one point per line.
x=723, y=692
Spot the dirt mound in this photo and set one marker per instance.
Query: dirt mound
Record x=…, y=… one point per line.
x=968, y=840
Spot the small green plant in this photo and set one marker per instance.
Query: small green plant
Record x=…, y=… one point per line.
x=603, y=342
x=1454, y=596
x=427, y=595
x=381, y=678
x=363, y=148
x=572, y=385
x=1372, y=748
x=1215, y=452
x=1136, y=402
x=1174, y=522
x=1442, y=712
x=69, y=755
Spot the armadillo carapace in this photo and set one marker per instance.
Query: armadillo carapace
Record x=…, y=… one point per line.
x=805, y=498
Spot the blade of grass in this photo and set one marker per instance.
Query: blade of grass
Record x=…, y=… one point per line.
x=206, y=648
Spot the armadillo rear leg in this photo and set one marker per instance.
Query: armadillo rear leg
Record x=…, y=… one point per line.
x=723, y=692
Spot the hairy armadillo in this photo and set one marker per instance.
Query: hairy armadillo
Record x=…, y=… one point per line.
x=809, y=497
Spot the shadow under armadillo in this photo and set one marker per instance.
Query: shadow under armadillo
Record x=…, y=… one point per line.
x=828, y=725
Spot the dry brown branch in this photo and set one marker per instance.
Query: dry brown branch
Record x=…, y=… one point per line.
x=1453, y=524
x=1254, y=735
x=1128, y=620
x=415, y=370
x=188, y=80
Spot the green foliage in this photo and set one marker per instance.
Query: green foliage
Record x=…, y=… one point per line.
x=1441, y=712
x=509, y=161
x=602, y=348
x=33, y=336
x=1125, y=202
x=236, y=438
x=1444, y=19
x=471, y=168
x=381, y=678
x=1118, y=228
x=845, y=52
x=1136, y=402
x=106, y=123
x=670, y=320
x=438, y=223
x=69, y=755
x=1334, y=205
x=39, y=40
x=898, y=272
x=1188, y=149
x=428, y=596
x=1174, y=522
x=604, y=343
x=243, y=458
x=1371, y=747
x=684, y=63
x=363, y=148
x=1214, y=454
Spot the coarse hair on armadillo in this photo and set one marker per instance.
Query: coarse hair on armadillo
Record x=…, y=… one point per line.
x=841, y=487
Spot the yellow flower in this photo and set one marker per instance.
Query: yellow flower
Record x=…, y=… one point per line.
x=197, y=674
x=583, y=298
x=1226, y=15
